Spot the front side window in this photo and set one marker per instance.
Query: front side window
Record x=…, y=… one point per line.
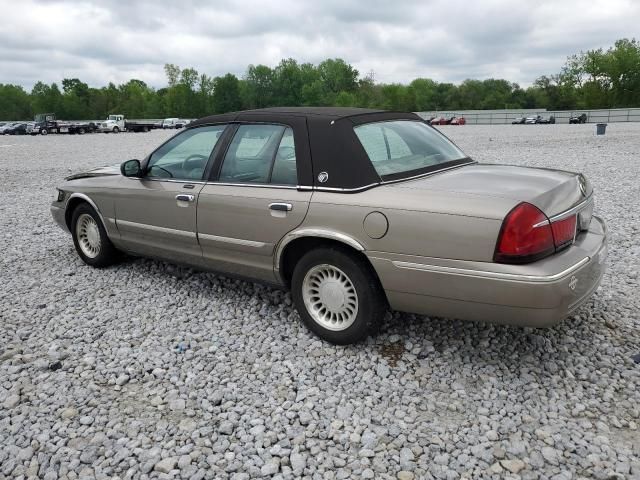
x=404, y=146
x=260, y=154
x=185, y=156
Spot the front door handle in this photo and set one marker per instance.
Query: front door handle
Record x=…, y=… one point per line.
x=281, y=207
x=185, y=198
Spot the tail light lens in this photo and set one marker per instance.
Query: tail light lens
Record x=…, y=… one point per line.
x=564, y=231
x=526, y=236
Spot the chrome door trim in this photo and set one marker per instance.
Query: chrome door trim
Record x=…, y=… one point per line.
x=493, y=275
x=234, y=241
x=154, y=228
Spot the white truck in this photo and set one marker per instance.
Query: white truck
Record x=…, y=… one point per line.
x=117, y=124
x=174, y=123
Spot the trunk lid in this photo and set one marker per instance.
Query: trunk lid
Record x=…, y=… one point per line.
x=552, y=191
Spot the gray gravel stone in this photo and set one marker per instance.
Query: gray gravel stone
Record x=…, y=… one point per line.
x=166, y=465
x=298, y=463
x=255, y=394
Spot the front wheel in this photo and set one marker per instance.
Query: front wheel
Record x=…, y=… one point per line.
x=44, y=131
x=116, y=130
x=338, y=295
x=90, y=238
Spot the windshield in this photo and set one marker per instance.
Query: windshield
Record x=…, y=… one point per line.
x=398, y=147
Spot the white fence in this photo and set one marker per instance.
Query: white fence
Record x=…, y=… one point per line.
x=500, y=117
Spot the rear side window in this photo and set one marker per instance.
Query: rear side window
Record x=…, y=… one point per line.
x=260, y=154
x=405, y=146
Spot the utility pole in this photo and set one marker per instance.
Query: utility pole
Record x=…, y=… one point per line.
x=371, y=76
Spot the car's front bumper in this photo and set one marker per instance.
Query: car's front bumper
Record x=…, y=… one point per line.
x=58, y=214
x=537, y=295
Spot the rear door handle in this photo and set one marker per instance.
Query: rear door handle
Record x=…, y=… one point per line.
x=281, y=207
x=185, y=198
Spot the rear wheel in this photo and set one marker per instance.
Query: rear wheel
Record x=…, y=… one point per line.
x=90, y=238
x=338, y=295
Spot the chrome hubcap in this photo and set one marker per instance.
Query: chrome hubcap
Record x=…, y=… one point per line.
x=330, y=297
x=88, y=235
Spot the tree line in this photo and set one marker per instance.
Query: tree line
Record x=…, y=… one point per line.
x=593, y=79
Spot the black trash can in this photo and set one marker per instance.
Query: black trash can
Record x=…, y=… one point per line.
x=601, y=128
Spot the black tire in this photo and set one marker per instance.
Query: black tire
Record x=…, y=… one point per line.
x=116, y=130
x=44, y=131
x=372, y=304
x=107, y=255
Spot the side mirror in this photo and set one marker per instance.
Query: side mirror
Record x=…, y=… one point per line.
x=131, y=168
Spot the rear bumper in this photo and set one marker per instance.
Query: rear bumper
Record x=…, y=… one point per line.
x=537, y=295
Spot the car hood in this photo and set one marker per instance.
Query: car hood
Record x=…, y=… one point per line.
x=96, y=172
x=552, y=191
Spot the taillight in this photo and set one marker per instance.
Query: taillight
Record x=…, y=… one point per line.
x=564, y=231
x=525, y=236
x=528, y=235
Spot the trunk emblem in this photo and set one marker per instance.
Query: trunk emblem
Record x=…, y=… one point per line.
x=573, y=282
x=583, y=185
x=323, y=177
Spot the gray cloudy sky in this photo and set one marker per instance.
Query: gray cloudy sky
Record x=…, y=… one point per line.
x=447, y=40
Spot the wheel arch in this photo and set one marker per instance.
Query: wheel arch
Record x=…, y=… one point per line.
x=76, y=199
x=291, y=249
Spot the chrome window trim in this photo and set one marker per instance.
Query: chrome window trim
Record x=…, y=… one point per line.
x=258, y=185
x=390, y=182
x=154, y=228
x=302, y=187
x=235, y=241
x=515, y=277
x=170, y=180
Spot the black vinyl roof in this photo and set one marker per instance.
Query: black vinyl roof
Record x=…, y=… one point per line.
x=331, y=113
x=337, y=156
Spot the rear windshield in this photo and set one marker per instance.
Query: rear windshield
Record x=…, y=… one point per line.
x=402, y=147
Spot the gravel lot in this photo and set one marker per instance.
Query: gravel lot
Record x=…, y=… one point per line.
x=147, y=370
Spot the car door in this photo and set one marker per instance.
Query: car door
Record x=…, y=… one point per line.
x=254, y=199
x=156, y=214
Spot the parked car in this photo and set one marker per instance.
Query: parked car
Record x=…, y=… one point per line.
x=519, y=121
x=533, y=120
x=171, y=123
x=16, y=128
x=4, y=126
x=356, y=211
x=458, y=121
x=582, y=118
x=548, y=120
x=440, y=121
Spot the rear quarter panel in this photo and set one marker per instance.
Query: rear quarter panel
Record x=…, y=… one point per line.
x=432, y=224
